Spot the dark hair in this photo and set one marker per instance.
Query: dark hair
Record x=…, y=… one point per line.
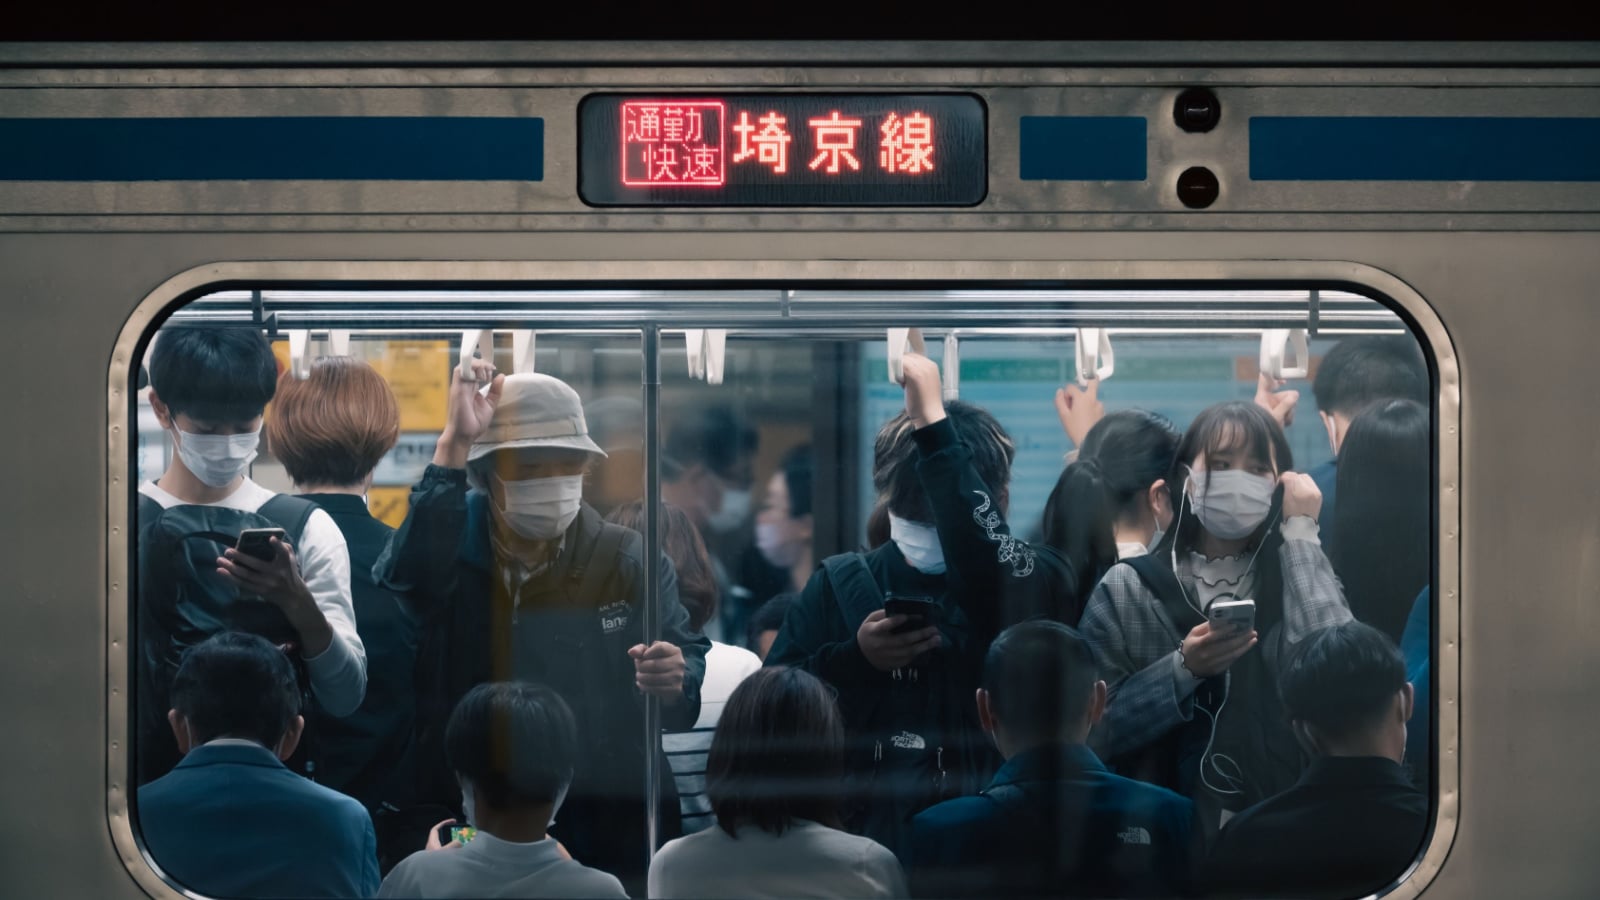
x=1341, y=679
x=214, y=375
x=769, y=617
x=1226, y=426
x=878, y=525
x=332, y=428
x=1123, y=454
x=713, y=436
x=778, y=753
x=235, y=684
x=681, y=541
x=796, y=467
x=894, y=458
x=1382, y=537
x=1362, y=370
x=1040, y=676
x=516, y=742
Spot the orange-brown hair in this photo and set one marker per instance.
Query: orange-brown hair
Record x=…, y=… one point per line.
x=332, y=428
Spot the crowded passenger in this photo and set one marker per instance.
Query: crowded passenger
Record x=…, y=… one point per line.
x=773, y=777
x=1053, y=822
x=209, y=389
x=767, y=622
x=1192, y=702
x=1112, y=502
x=231, y=820
x=1381, y=548
x=616, y=425
x=1354, y=820
x=330, y=431
x=1355, y=374
x=726, y=665
x=513, y=748
x=952, y=573
x=784, y=527
x=518, y=579
x=1416, y=646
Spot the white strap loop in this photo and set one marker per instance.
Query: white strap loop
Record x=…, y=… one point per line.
x=481, y=339
x=952, y=368
x=339, y=343
x=1275, y=346
x=299, y=363
x=1095, y=358
x=522, y=351
x=902, y=340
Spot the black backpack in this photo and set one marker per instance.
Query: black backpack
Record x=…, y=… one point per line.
x=182, y=600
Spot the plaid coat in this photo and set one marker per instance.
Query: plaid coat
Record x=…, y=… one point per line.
x=1134, y=640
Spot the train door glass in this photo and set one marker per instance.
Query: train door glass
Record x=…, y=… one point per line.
x=784, y=441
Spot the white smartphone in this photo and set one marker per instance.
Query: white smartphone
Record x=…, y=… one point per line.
x=1232, y=615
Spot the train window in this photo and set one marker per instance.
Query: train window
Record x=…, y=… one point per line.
x=994, y=586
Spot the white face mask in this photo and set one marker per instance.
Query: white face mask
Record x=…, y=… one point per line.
x=918, y=543
x=540, y=509
x=217, y=459
x=735, y=509
x=772, y=540
x=1234, y=504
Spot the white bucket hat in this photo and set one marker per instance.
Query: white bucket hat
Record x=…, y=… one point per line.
x=535, y=411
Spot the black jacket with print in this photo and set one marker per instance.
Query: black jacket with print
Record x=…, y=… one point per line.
x=912, y=735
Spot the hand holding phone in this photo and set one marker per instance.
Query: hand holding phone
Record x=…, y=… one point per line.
x=257, y=542
x=920, y=612
x=1232, y=616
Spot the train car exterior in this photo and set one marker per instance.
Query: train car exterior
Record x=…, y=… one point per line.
x=1459, y=185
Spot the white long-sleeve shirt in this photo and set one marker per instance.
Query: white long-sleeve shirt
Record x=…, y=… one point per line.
x=339, y=673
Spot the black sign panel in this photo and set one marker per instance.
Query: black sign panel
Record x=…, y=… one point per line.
x=783, y=150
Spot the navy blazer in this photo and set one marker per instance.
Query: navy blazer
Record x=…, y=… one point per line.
x=233, y=821
x=1055, y=822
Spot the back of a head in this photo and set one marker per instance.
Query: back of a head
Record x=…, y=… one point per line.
x=770, y=615
x=1122, y=456
x=894, y=458
x=1380, y=536
x=778, y=753
x=1362, y=370
x=213, y=375
x=681, y=541
x=516, y=743
x=333, y=428
x=712, y=437
x=238, y=685
x=1040, y=677
x=1342, y=680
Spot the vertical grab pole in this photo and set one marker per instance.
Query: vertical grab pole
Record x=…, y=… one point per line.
x=651, y=338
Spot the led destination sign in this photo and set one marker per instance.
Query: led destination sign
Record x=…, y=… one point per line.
x=783, y=150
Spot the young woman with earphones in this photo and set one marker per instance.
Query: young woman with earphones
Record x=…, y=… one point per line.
x=1192, y=703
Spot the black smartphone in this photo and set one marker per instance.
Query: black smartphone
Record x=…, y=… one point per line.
x=920, y=612
x=257, y=542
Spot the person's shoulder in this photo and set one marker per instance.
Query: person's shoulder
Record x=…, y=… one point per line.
x=580, y=880
x=958, y=813
x=339, y=807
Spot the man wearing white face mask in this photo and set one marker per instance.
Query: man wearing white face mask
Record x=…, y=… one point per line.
x=209, y=388
x=513, y=748
x=906, y=680
x=515, y=577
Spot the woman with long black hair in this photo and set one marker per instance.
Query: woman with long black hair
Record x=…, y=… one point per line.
x=1380, y=539
x=1112, y=502
x=1245, y=529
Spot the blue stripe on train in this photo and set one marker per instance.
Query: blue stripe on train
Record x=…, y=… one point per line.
x=361, y=148
x=1082, y=148
x=1424, y=148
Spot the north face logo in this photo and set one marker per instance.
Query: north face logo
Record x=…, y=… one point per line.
x=905, y=740
x=1134, y=835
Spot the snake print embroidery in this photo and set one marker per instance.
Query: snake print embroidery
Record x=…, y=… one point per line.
x=1012, y=551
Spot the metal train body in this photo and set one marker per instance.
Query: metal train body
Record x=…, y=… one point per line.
x=1495, y=269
